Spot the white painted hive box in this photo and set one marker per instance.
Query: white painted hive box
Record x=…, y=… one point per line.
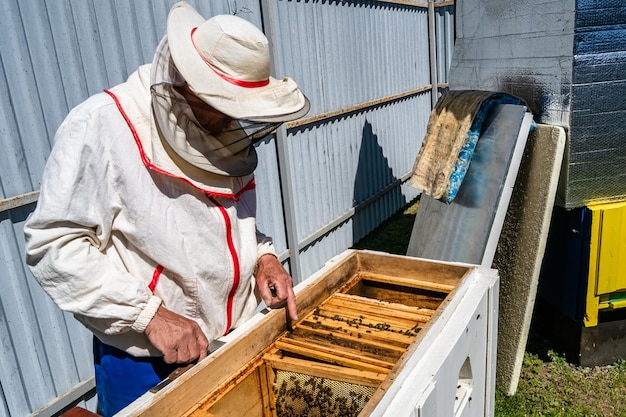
x=378, y=335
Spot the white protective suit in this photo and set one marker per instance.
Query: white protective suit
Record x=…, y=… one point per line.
x=120, y=227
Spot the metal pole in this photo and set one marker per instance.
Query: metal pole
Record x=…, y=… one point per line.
x=284, y=164
x=432, y=37
x=18, y=201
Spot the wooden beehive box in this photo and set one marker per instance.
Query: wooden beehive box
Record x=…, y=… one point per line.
x=362, y=319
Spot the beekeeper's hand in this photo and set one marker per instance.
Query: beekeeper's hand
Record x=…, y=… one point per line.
x=179, y=339
x=275, y=285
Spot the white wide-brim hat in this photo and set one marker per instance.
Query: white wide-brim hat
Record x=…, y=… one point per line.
x=226, y=63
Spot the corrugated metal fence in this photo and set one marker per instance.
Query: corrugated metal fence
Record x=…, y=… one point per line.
x=370, y=69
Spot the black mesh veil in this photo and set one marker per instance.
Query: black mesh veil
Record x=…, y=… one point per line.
x=214, y=143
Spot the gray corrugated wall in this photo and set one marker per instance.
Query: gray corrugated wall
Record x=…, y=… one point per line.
x=364, y=65
x=369, y=89
x=53, y=55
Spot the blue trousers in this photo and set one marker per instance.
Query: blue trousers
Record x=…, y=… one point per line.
x=122, y=378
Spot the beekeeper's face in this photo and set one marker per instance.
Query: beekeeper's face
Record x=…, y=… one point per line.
x=211, y=119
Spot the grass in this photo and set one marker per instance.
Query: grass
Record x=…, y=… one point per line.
x=393, y=235
x=557, y=388
x=549, y=386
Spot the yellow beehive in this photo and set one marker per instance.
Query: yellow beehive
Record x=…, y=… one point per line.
x=606, y=286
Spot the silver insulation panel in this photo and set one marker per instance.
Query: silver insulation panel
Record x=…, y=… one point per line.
x=567, y=60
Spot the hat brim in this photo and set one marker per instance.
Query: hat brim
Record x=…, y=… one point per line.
x=278, y=101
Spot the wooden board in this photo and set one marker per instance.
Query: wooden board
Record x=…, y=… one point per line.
x=244, y=396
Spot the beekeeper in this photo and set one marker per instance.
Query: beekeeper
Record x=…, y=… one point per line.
x=145, y=225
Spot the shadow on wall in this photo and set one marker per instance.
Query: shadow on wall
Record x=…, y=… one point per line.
x=17, y=215
x=377, y=194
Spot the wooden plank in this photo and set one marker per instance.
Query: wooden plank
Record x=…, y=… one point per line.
x=424, y=269
x=324, y=370
x=359, y=317
x=380, y=343
x=379, y=308
x=366, y=333
x=336, y=341
x=313, y=346
x=267, y=390
x=248, y=376
x=408, y=282
x=412, y=297
x=356, y=320
x=323, y=353
x=384, y=305
x=242, y=397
